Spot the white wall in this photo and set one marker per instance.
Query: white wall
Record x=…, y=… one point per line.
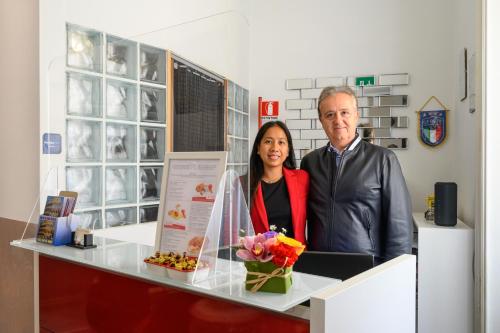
x=308, y=39
x=18, y=108
x=466, y=125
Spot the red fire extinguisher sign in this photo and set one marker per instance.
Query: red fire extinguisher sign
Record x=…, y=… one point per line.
x=268, y=111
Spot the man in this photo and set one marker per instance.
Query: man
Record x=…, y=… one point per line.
x=358, y=199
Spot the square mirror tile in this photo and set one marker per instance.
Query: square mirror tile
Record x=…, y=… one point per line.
x=120, y=216
x=377, y=112
x=83, y=95
x=376, y=90
x=121, y=57
x=370, y=139
x=152, y=143
x=368, y=101
x=90, y=219
x=394, y=100
x=83, y=139
x=152, y=62
x=367, y=134
x=84, y=48
x=120, y=184
x=148, y=213
x=386, y=121
x=121, y=100
x=395, y=122
x=400, y=122
x=87, y=182
x=394, y=143
x=394, y=79
x=150, y=183
x=382, y=132
x=368, y=122
x=153, y=105
x=120, y=142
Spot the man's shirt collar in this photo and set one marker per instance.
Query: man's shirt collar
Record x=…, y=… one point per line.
x=350, y=147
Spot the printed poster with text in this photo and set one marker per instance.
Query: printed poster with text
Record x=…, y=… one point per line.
x=190, y=196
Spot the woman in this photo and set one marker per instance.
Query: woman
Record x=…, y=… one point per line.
x=278, y=190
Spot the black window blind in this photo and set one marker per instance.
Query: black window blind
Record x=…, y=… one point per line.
x=198, y=116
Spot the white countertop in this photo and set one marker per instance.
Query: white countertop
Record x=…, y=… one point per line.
x=420, y=221
x=126, y=258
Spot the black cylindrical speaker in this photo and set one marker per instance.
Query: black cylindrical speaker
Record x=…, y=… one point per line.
x=445, y=204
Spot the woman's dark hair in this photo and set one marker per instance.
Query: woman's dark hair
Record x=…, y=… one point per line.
x=256, y=164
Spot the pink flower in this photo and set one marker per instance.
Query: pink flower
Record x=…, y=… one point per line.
x=256, y=248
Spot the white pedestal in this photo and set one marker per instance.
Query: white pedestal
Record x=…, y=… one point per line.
x=445, y=277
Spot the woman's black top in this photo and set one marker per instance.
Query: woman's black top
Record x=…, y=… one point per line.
x=277, y=202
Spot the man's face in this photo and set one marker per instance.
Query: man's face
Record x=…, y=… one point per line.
x=339, y=116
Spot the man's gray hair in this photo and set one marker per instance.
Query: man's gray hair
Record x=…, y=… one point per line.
x=332, y=91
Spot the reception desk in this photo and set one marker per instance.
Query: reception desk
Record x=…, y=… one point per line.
x=111, y=289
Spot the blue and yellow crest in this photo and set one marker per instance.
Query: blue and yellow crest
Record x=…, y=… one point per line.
x=432, y=125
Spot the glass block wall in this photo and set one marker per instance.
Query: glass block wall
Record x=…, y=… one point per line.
x=237, y=130
x=115, y=127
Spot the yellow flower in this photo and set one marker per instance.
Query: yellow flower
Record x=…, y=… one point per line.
x=299, y=247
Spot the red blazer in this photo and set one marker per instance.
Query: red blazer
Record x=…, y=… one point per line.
x=297, y=183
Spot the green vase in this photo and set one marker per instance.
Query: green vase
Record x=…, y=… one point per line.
x=277, y=284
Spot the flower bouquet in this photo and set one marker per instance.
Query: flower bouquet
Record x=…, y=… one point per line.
x=269, y=258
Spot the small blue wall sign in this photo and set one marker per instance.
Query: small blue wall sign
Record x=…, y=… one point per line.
x=51, y=143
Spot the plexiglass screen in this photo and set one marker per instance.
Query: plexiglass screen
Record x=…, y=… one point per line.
x=115, y=132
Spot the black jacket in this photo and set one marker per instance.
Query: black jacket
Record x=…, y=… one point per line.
x=362, y=206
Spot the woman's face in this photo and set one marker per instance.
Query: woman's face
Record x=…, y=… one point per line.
x=273, y=148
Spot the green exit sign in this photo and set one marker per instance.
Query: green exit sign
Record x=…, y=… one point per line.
x=365, y=80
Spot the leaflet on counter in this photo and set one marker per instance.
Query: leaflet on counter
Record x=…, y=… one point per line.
x=189, y=199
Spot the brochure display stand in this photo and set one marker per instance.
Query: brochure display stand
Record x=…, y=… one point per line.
x=57, y=223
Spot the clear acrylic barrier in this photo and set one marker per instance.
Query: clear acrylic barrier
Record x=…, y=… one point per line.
x=229, y=221
x=107, y=107
x=104, y=94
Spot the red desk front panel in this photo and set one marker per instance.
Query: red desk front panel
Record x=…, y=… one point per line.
x=76, y=298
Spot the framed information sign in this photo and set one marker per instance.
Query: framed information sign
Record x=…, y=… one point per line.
x=189, y=187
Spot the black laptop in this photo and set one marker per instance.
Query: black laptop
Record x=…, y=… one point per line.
x=336, y=265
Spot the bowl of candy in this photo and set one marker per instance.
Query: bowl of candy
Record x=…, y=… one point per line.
x=176, y=266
